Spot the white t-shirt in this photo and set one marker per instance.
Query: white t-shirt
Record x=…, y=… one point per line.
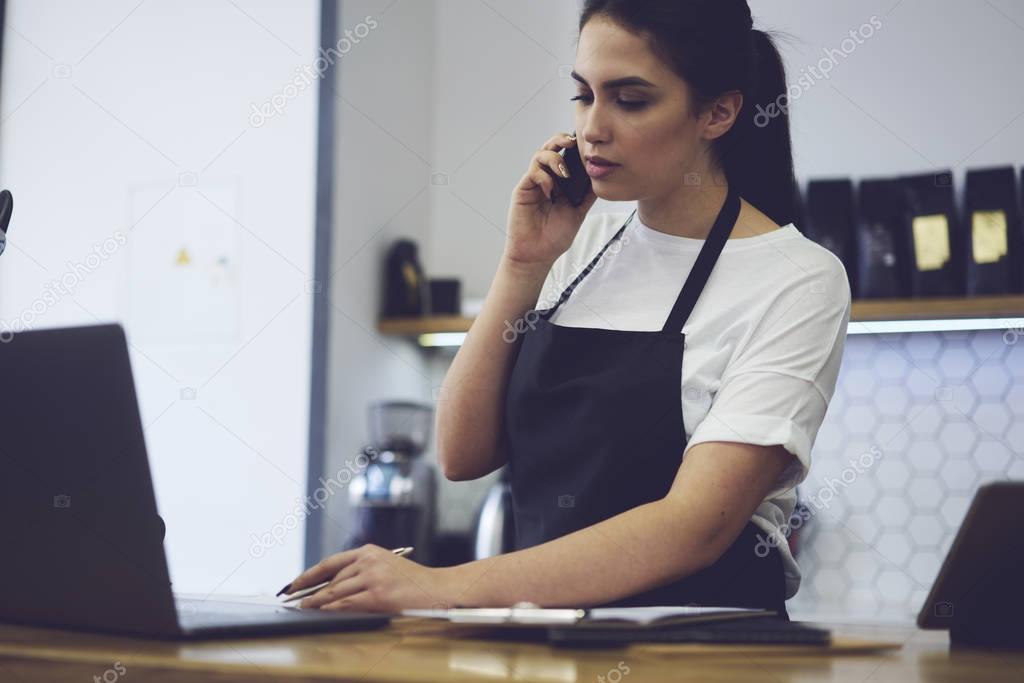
x=763, y=343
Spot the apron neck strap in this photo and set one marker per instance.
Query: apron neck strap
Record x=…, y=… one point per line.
x=706, y=260
x=586, y=271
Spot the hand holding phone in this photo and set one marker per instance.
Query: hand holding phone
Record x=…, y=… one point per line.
x=545, y=214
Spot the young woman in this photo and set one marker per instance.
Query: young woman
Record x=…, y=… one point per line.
x=656, y=422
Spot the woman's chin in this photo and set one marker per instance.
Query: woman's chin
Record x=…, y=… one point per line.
x=612, y=192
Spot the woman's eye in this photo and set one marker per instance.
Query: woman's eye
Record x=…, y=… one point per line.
x=625, y=104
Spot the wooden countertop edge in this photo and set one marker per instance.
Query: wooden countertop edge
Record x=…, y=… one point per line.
x=122, y=648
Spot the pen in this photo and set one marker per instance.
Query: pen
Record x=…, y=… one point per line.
x=401, y=552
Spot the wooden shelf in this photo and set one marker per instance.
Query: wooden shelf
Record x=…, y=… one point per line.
x=864, y=310
x=431, y=324
x=1002, y=306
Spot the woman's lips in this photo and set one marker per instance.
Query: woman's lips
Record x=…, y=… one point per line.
x=595, y=170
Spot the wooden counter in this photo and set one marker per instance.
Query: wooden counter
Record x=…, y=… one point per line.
x=417, y=650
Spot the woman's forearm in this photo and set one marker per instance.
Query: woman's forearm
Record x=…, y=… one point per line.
x=624, y=555
x=472, y=396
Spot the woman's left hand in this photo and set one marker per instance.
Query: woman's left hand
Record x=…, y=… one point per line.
x=374, y=579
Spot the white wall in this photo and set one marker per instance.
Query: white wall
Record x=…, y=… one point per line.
x=937, y=85
x=134, y=118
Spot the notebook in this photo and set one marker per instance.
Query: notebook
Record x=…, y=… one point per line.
x=598, y=617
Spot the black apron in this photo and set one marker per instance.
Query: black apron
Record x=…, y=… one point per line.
x=593, y=427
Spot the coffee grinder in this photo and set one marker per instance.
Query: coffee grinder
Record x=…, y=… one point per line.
x=394, y=498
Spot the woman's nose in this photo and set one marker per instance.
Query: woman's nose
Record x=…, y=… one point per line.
x=592, y=128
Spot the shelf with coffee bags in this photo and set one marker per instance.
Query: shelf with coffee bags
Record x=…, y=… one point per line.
x=915, y=260
x=923, y=236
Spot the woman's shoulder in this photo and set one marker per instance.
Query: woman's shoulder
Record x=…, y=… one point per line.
x=796, y=268
x=819, y=261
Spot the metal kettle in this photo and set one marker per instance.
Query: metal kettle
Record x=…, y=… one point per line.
x=494, y=531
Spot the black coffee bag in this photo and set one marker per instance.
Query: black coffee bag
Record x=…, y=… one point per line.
x=883, y=265
x=937, y=243
x=828, y=219
x=992, y=217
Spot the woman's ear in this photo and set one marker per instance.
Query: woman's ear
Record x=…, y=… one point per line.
x=722, y=114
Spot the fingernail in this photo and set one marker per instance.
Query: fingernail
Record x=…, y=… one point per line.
x=283, y=590
x=563, y=170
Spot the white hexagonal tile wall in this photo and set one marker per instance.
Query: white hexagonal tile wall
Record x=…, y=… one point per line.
x=1015, y=399
x=923, y=346
x=925, y=494
x=1016, y=469
x=893, y=546
x=829, y=583
x=861, y=566
x=921, y=385
x=925, y=456
x=923, y=568
x=893, y=511
x=891, y=401
x=892, y=474
x=992, y=418
x=864, y=526
x=859, y=383
x=992, y=456
x=946, y=411
x=957, y=362
x=889, y=364
x=988, y=347
x=925, y=529
x=953, y=510
x=925, y=419
x=958, y=438
x=894, y=585
x=990, y=380
x=959, y=475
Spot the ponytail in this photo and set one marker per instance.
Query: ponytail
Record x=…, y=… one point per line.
x=756, y=154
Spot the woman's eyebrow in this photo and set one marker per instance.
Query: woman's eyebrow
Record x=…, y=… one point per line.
x=617, y=82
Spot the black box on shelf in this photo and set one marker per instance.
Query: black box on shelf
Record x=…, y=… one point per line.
x=937, y=242
x=445, y=298
x=829, y=218
x=992, y=219
x=883, y=264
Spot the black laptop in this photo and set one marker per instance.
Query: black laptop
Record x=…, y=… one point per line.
x=979, y=592
x=82, y=541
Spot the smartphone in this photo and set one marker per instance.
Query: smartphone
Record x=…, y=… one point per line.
x=576, y=187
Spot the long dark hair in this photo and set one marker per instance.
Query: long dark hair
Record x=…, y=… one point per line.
x=712, y=45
